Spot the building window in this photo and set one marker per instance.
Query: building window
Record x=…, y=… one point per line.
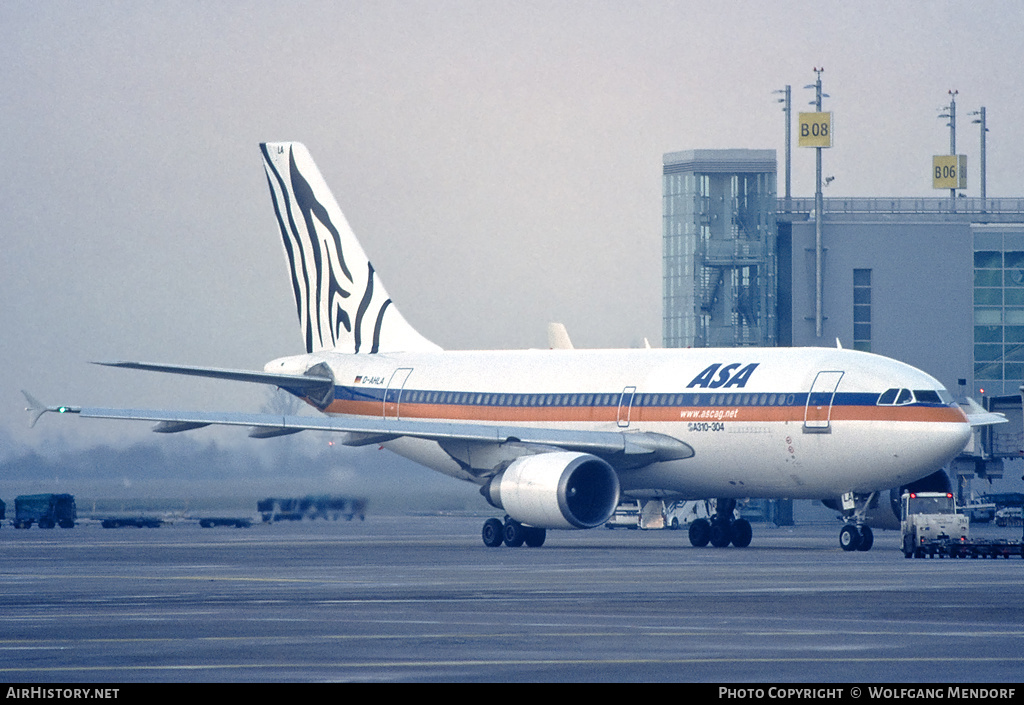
x=862, y=309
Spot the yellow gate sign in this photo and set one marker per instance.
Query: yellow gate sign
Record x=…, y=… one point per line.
x=949, y=171
x=815, y=130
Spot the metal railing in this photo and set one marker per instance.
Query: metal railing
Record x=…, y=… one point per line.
x=962, y=206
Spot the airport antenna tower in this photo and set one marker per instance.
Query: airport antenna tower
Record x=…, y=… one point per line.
x=951, y=115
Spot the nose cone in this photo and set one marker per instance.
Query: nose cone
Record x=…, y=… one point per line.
x=948, y=441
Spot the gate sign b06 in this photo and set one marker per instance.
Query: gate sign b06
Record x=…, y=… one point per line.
x=949, y=171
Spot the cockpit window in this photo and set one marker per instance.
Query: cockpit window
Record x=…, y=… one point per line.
x=895, y=397
x=888, y=397
x=900, y=397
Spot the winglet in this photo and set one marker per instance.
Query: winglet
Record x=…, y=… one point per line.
x=36, y=409
x=558, y=337
x=978, y=416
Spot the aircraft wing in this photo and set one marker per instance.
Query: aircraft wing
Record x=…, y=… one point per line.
x=641, y=447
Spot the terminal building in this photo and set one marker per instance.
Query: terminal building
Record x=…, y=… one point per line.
x=935, y=282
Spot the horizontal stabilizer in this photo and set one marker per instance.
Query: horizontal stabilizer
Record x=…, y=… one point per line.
x=306, y=385
x=36, y=408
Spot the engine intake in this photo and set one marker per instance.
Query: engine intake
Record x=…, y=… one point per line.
x=558, y=490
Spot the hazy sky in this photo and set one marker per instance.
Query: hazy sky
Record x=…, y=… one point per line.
x=500, y=162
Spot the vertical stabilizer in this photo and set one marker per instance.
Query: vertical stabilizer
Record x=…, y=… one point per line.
x=341, y=302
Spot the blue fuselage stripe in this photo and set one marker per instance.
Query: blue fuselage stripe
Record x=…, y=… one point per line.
x=605, y=399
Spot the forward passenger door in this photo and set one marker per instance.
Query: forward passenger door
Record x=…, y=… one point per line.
x=818, y=411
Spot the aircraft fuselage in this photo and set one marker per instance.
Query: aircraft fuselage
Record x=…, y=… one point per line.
x=779, y=422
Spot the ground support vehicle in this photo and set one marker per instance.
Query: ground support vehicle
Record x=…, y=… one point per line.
x=931, y=526
x=657, y=514
x=138, y=522
x=311, y=507
x=46, y=510
x=980, y=512
x=238, y=523
x=626, y=515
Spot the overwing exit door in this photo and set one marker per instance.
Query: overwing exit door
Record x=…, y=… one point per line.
x=626, y=406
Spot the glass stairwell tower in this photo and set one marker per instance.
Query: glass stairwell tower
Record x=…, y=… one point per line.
x=719, y=248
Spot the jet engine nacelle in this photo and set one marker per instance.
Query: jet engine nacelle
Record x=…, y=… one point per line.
x=557, y=490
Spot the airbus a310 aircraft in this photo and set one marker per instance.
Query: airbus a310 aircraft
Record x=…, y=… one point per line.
x=555, y=438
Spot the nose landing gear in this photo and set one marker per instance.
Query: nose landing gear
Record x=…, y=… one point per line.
x=856, y=535
x=856, y=538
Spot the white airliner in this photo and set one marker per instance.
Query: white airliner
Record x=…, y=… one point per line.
x=556, y=438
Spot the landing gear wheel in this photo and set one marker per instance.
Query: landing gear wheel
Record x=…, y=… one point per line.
x=534, y=536
x=849, y=538
x=742, y=533
x=867, y=538
x=700, y=533
x=493, y=533
x=721, y=534
x=514, y=533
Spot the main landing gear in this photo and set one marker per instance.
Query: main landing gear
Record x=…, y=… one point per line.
x=512, y=534
x=722, y=528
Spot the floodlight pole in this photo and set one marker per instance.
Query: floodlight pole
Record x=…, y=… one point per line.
x=819, y=206
x=981, y=121
x=788, y=110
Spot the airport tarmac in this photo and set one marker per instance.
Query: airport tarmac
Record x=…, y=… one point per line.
x=420, y=598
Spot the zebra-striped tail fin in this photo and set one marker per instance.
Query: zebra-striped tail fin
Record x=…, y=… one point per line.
x=341, y=302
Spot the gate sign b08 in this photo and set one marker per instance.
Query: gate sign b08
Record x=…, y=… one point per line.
x=815, y=130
